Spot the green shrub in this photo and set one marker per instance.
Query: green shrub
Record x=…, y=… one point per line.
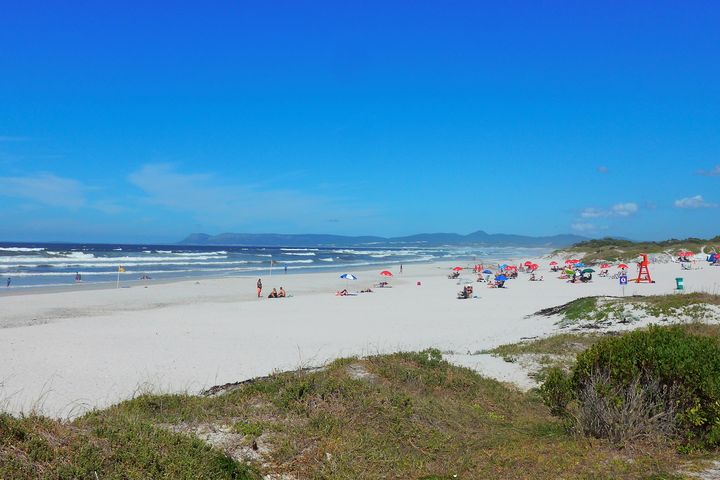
x=675, y=371
x=556, y=391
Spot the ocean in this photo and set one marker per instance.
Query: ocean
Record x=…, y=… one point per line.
x=57, y=264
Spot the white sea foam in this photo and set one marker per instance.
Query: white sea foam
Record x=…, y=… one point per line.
x=300, y=254
x=20, y=249
x=329, y=259
x=78, y=258
x=300, y=249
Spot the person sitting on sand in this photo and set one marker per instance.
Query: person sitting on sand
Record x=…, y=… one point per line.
x=342, y=292
x=281, y=293
x=367, y=290
x=273, y=294
x=532, y=277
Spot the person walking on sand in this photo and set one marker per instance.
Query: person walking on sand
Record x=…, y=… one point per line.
x=9, y=281
x=259, y=288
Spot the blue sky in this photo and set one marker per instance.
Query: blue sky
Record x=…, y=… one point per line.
x=145, y=121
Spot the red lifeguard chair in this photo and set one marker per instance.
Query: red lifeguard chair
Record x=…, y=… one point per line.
x=643, y=272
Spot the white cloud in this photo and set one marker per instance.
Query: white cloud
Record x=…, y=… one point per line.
x=713, y=172
x=617, y=210
x=584, y=227
x=45, y=188
x=624, y=209
x=603, y=169
x=694, y=202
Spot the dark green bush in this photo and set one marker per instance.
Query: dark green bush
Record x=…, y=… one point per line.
x=556, y=390
x=674, y=369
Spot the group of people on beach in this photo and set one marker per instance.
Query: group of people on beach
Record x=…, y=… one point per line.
x=274, y=293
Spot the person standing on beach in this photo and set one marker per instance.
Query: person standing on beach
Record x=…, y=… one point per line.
x=9, y=281
x=259, y=288
x=401, y=268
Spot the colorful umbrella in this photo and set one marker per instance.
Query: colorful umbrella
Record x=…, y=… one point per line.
x=588, y=270
x=487, y=272
x=605, y=265
x=623, y=266
x=511, y=267
x=348, y=276
x=457, y=269
x=534, y=266
x=528, y=263
x=553, y=263
x=501, y=278
x=386, y=273
x=568, y=262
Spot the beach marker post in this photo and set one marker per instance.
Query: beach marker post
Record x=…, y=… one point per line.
x=121, y=269
x=623, y=282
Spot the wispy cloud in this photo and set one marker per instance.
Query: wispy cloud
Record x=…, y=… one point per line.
x=45, y=188
x=694, y=202
x=212, y=199
x=603, y=169
x=586, y=227
x=617, y=210
x=713, y=172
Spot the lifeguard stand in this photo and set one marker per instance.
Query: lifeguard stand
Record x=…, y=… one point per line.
x=643, y=272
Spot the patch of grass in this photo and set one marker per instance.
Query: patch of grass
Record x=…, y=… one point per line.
x=413, y=416
x=695, y=306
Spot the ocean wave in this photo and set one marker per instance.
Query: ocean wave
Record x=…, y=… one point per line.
x=300, y=254
x=386, y=253
x=20, y=249
x=73, y=255
x=300, y=249
x=330, y=259
x=81, y=260
x=82, y=266
x=299, y=261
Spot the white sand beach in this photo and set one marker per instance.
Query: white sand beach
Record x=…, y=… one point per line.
x=65, y=352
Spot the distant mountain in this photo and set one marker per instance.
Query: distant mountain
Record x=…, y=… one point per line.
x=424, y=239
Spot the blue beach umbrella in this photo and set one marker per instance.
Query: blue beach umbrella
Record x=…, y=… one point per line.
x=486, y=271
x=503, y=266
x=347, y=277
x=501, y=278
x=579, y=265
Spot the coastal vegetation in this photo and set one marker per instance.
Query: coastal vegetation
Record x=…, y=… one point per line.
x=615, y=249
x=405, y=415
x=593, y=311
x=660, y=385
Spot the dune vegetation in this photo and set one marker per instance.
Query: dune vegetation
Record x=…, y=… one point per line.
x=406, y=415
x=614, y=249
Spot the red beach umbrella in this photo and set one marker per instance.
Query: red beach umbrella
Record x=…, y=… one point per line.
x=622, y=265
x=552, y=264
x=386, y=273
x=511, y=267
x=457, y=269
x=574, y=261
x=528, y=263
x=534, y=266
x=605, y=265
x=568, y=262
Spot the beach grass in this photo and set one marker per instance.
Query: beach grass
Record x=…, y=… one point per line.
x=696, y=306
x=405, y=415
